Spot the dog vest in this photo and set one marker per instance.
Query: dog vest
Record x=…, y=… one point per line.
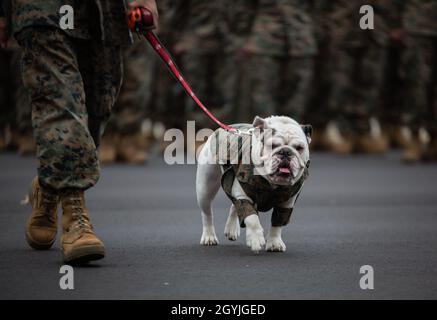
x=264, y=195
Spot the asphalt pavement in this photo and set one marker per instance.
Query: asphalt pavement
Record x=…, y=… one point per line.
x=354, y=211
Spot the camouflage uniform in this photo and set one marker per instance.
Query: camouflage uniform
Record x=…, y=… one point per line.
x=358, y=60
x=283, y=46
x=202, y=47
x=73, y=78
x=236, y=23
x=392, y=114
x=419, y=63
x=317, y=112
x=168, y=96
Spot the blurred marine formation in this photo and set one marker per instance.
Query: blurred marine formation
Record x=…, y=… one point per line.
x=364, y=91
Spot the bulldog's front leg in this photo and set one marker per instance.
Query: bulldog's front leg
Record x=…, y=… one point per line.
x=279, y=219
x=274, y=240
x=254, y=233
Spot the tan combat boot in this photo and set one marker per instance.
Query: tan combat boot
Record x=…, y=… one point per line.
x=413, y=151
x=41, y=226
x=336, y=141
x=79, y=244
x=400, y=136
x=371, y=144
x=129, y=149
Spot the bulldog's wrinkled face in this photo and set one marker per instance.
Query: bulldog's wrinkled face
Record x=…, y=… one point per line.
x=285, y=148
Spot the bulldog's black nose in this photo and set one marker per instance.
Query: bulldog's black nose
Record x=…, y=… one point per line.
x=285, y=152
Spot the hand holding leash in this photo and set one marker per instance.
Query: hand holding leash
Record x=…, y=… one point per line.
x=140, y=20
x=146, y=10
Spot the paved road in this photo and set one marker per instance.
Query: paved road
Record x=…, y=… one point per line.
x=354, y=211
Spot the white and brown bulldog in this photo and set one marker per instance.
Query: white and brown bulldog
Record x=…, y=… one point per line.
x=259, y=171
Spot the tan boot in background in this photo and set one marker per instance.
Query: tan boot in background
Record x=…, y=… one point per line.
x=79, y=244
x=107, y=150
x=41, y=226
x=371, y=144
x=337, y=142
x=129, y=149
x=25, y=145
x=163, y=145
x=400, y=136
x=430, y=151
x=372, y=141
x=413, y=152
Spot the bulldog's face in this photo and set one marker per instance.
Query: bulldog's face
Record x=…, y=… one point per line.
x=282, y=147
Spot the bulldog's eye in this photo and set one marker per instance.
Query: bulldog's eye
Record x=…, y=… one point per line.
x=299, y=148
x=275, y=145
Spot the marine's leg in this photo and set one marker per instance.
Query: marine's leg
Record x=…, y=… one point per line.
x=265, y=84
x=368, y=101
x=297, y=74
x=129, y=110
x=417, y=73
x=66, y=151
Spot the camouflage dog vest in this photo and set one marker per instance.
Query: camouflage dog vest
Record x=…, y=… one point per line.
x=264, y=195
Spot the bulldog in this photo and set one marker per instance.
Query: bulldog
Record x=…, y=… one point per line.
x=260, y=168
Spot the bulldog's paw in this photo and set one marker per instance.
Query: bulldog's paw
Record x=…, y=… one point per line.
x=254, y=233
x=255, y=239
x=275, y=244
x=209, y=238
x=232, y=229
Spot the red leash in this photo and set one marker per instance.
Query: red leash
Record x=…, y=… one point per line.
x=141, y=21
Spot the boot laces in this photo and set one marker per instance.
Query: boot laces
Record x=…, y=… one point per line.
x=47, y=206
x=78, y=214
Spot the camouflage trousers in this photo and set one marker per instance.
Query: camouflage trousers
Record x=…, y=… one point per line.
x=236, y=89
x=356, y=84
x=168, y=101
x=280, y=85
x=73, y=85
x=419, y=75
x=316, y=111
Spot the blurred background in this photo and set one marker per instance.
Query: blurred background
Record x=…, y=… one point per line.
x=364, y=91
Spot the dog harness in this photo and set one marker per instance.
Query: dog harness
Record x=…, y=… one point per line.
x=264, y=194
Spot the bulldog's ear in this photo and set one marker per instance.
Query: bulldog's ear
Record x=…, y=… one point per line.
x=259, y=123
x=308, y=130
